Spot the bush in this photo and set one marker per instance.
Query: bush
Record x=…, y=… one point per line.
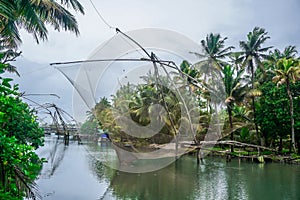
x=20, y=135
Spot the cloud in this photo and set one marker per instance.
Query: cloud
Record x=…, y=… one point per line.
x=193, y=18
x=39, y=78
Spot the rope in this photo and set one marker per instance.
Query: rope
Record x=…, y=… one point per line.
x=101, y=17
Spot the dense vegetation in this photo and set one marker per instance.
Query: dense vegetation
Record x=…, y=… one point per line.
x=261, y=96
x=260, y=85
x=20, y=134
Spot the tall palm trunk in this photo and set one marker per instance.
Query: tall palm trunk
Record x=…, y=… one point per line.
x=219, y=132
x=230, y=125
x=253, y=100
x=291, y=113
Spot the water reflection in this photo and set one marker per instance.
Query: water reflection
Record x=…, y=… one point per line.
x=221, y=180
x=75, y=172
x=213, y=179
x=173, y=182
x=67, y=174
x=54, y=152
x=180, y=180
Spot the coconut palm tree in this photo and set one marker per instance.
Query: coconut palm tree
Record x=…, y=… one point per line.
x=288, y=52
x=33, y=16
x=271, y=62
x=214, y=47
x=253, y=52
x=235, y=91
x=210, y=68
x=6, y=57
x=190, y=73
x=214, y=51
x=287, y=72
x=276, y=55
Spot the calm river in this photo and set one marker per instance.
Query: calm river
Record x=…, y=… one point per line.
x=73, y=173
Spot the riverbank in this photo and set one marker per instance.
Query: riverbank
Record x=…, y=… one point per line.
x=246, y=152
x=252, y=156
x=243, y=151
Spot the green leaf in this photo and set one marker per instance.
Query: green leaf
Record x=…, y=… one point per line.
x=5, y=82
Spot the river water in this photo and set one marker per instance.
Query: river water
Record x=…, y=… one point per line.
x=73, y=173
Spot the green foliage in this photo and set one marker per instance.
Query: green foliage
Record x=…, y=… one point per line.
x=5, y=87
x=19, y=121
x=89, y=127
x=137, y=103
x=19, y=165
x=191, y=73
x=258, y=110
x=19, y=136
x=8, y=196
x=33, y=16
x=245, y=134
x=273, y=112
x=214, y=46
x=19, y=130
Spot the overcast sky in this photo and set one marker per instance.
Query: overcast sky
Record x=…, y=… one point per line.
x=192, y=18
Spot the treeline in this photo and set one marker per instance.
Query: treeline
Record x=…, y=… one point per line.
x=259, y=93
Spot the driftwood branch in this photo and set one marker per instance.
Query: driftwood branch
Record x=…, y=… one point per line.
x=234, y=143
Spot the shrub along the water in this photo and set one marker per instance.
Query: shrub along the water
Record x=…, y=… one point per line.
x=20, y=135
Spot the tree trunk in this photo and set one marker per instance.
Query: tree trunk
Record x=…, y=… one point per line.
x=280, y=145
x=298, y=144
x=2, y=175
x=291, y=113
x=231, y=126
x=253, y=100
x=254, y=119
x=218, y=121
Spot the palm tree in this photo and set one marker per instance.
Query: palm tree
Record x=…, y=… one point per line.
x=271, y=62
x=214, y=47
x=235, y=59
x=190, y=72
x=6, y=57
x=214, y=52
x=288, y=52
x=276, y=55
x=253, y=52
x=33, y=16
x=287, y=72
x=234, y=90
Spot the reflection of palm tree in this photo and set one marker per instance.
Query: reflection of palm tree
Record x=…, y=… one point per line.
x=287, y=72
x=154, y=185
